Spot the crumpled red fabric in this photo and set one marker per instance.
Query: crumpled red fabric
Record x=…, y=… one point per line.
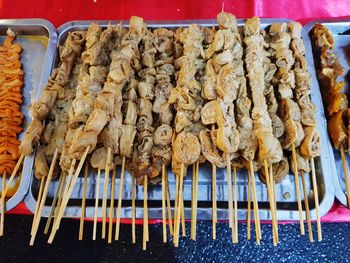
x=59, y=12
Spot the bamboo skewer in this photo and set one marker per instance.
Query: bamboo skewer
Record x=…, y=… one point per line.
x=346, y=174
x=193, y=223
x=83, y=202
x=214, y=218
x=271, y=201
x=163, y=205
x=255, y=204
x=145, y=214
x=170, y=220
x=111, y=207
x=133, y=220
x=43, y=199
x=53, y=206
x=120, y=198
x=229, y=190
x=248, y=208
x=273, y=189
x=67, y=196
x=105, y=192
x=97, y=193
x=41, y=189
x=3, y=203
x=178, y=212
x=314, y=186
x=69, y=176
x=235, y=204
x=3, y=194
x=176, y=203
x=307, y=211
x=302, y=230
x=60, y=196
x=183, y=223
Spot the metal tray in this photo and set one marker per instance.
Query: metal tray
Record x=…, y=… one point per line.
x=287, y=209
x=38, y=38
x=341, y=34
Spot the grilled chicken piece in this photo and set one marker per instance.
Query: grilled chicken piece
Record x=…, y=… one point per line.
x=186, y=148
x=163, y=135
x=127, y=140
x=311, y=145
x=31, y=137
x=41, y=168
x=209, y=149
x=279, y=170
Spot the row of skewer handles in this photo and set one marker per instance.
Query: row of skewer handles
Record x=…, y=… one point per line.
x=222, y=61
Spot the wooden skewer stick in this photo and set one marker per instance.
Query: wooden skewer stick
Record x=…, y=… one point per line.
x=111, y=207
x=314, y=186
x=145, y=214
x=133, y=220
x=105, y=192
x=346, y=173
x=296, y=176
x=41, y=189
x=214, y=217
x=43, y=199
x=255, y=204
x=273, y=189
x=229, y=190
x=235, y=204
x=183, y=223
x=3, y=194
x=163, y=205
x=3, y=203
x=69, y=176
x=178, y=208
x=170, y=220
x=97, y=193
x=147, y=230
x=249, y=207
x=120, y=198
x=83, y=202
x=193, y=223
x=60, y=196
x=307, y=211
x=270, y=196
x=66, y=197
x=176, y=204
x=53, y=206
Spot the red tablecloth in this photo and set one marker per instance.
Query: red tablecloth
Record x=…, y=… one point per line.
x=59, y=12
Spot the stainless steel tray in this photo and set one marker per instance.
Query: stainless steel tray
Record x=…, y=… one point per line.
x=341, y=34
x=287, y=209
x=38, y=38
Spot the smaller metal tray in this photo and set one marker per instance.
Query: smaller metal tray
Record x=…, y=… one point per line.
x=287, y=207
x=38, y=38
x=341, y=34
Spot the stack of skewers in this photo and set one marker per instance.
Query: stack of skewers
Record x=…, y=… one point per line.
x=145, y=99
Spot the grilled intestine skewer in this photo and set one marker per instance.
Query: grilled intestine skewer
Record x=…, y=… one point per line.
x=83, y=128
x=130, y=59
x=53, y=134
x=284, y=84
x=310, y=147
x=270, y=150
x=107, y=110
x=163, y=116
x=186, y=97
x=328, y=71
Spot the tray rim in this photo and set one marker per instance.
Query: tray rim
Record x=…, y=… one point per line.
x=25, y=182
x=339, y=193
x=326, y=203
